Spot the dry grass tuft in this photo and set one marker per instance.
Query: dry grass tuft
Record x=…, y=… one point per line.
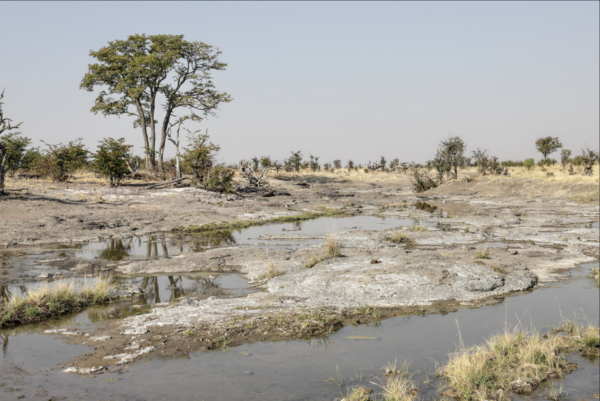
x=313, y=259
x=415, y=228
x=273, y=272
x=482, y=254
x=401, y=238
x=334, y=248
x=395, y=385
x=515, y=361
x=46, y=300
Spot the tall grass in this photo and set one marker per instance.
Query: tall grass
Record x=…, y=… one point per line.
x=333, y=249
x=46, y=300
x=333, y=245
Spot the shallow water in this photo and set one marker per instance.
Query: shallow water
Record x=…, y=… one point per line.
x=298, y=370
x=35, y=261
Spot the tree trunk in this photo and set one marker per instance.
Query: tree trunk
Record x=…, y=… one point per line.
x=2, y=170
x=149, y=160
x=163, y=138
x=2, y=173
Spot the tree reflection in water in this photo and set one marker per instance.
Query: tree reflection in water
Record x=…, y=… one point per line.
x=6, y=294
x=176, y=287
x=116, y=249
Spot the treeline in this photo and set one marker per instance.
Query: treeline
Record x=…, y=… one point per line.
x=113, y=160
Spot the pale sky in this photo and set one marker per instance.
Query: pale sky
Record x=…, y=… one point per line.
x=347, y=80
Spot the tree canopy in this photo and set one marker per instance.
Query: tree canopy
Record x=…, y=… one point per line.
x=548, y=145
x=134, y=72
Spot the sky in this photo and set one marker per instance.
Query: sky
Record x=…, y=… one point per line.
x=338, y=80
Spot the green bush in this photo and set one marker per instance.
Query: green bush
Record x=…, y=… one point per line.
x=111, y=159
x=547, y=162
x=59, y=162
x=529, y=163
x=219, y=179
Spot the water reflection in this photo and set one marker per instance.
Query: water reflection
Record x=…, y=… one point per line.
x=116, y=250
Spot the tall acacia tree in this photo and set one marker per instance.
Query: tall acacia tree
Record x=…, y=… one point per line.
x=137, y=73
x=548, y=145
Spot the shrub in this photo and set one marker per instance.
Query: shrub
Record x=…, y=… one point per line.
x=111, y=159
x=199, y=157
x=314, y=163
x=529, y=163
x=452, y=152
x=12, y=154
x=482, y=161
x=265, y=161
x=422, y=181
x=589, y=157
x=60, y=161
x=296, y=160
x=565, y=156
x=337, y=164
x=547, y=162
x=219, y=179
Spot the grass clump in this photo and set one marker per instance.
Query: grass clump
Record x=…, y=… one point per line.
x=272, y=271
x=394, y=385
x=241, y=224
x=482, y=254
x=515, y=361
x=498, y=269
x=416, y=228
x=47, y=300
x=313, y=259
x=401, y=238
x=334, y=248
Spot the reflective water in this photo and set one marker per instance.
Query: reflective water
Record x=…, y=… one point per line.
x=299, y=370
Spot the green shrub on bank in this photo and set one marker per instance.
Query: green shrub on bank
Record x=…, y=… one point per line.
x=111, y=159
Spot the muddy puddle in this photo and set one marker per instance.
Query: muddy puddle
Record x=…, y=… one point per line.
x=26, y=264
x=300, y=370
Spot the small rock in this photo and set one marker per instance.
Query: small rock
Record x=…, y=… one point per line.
x=136, y=331
x=83, y=371
x=101, y=338
x=46, y=275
